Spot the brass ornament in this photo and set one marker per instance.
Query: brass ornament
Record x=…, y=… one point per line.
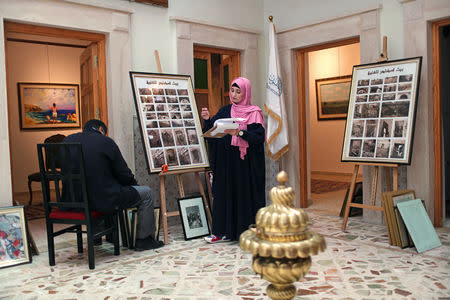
x=280, y=243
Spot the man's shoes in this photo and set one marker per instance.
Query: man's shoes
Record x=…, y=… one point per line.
x=147, y=244
x=216, y=238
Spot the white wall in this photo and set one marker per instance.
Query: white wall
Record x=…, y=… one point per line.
x=153, y=27
x=48, y=64
x=326, y=136
x=290, y=14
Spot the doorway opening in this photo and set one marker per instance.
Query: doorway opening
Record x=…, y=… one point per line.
x=324, y=68
x=441, y=110
x=38, y=54
x=214, y=69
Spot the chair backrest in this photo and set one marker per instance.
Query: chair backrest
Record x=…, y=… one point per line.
x=50, y=155
x=71, y=173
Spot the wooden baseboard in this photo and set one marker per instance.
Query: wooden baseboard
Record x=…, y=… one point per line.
x=330, y=173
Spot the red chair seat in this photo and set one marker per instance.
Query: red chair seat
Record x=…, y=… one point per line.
x=73, y=215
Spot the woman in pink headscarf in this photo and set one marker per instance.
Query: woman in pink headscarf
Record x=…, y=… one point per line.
x=237, y=162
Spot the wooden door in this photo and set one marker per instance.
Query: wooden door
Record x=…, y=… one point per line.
x=202, y=80
x=90, y=102
x=440, y=115
x=214, y=69
x=227, y=78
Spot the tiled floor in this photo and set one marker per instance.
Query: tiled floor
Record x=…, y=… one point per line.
x=358, y=264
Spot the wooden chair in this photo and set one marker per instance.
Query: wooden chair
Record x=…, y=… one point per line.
x=36, y=177
x=74, y=208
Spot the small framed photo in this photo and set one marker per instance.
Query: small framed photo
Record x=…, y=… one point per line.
x=332, y=96
x=193, y=217
x=14, y=248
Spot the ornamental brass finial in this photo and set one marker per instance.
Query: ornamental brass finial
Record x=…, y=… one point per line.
x=280, y=242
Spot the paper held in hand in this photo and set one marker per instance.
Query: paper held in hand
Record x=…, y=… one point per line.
x=218, y=130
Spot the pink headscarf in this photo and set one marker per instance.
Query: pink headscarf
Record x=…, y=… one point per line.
x=251, y=113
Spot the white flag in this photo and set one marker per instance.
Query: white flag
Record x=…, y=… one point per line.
x=277, y=129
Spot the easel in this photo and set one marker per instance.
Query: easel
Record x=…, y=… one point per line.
x=373, y=192
x=162, y=186
x=178, y=173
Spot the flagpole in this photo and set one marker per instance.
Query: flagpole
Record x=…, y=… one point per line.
x=280, y=162
x=271, y=21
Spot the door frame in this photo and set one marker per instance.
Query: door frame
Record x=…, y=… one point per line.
x=302, y=108
x=205, y=52
x=437, y=124
x=100, y=39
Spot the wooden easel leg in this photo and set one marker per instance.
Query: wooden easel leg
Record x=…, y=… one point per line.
x=350, y=197
x=388, y=178
x=205, y=202
x=162, y=187
x=180, y=186
x=395, y=178
x=373, y=192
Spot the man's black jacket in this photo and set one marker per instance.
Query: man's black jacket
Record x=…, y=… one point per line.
x=108, y=177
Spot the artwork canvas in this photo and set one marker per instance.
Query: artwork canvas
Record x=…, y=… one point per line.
x=419, y=225
x=381, y=112
x=14, y=248
x=169, y=121
x=332, y=96
x=193, y=217
x=48, y=106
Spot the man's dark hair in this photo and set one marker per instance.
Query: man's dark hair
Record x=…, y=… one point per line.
x=94, y=125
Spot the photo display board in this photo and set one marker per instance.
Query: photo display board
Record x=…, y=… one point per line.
x=381, y=112
x=169, y=121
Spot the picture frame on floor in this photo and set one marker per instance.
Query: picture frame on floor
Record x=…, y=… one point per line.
x=14, y=247
x=193, y=217
x=382, y=111
x=395, y=198
x=130, y=216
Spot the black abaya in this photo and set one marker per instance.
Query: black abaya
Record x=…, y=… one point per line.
x=238, y=185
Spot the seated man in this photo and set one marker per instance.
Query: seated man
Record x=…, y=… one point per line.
x=111, y=184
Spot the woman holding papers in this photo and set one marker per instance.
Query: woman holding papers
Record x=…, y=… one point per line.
x=237, y=162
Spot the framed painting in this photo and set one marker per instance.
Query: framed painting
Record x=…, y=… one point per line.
x=14, y=248
x=332, y=97
x=48, y=106
x=193, y=217
x=381, y=112
x=168, y=121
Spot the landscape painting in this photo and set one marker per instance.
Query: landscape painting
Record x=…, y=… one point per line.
x=332, y=97
x=48, y=105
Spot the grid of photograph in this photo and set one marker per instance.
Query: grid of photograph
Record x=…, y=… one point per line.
x=169, y=121
x=381, y=112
